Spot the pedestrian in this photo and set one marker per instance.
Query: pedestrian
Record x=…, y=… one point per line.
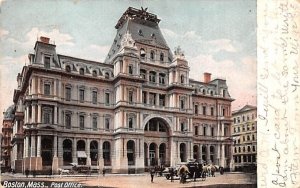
x=152, y=172
x=27, y=173
x=172, y=174
x=103, y=172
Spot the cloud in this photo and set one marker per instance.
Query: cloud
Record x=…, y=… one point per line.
x=55, y=36
x=169, y=33
x=240, y=75
x=9, y=66
x=221, y=44
x=3, y=32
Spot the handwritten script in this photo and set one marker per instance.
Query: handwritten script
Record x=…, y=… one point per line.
x=278, y=87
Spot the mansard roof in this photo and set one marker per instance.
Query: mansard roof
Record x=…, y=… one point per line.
x=143, y=28
x=9, y=114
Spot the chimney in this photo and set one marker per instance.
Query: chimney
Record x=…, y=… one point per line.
x=207, y=77
x=44, y=39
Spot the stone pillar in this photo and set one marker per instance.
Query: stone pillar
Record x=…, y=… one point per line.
x=100, y=155
x=222, y=156
x=39, y=85
x=200, y=153
x=208, y=154
x=33, y=91
x=55, y=115
x=33, y=119
x=38, y=150
x=27, y=114
x=39, y=114
x=33, y=149
x=55, y=159
x=157, y=99
x=60, y=151
x=27, y=146
x=88, y=152
x=74, y=151
x=148, y=102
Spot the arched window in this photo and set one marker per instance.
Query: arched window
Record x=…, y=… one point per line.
x=68, y=68
x=161, y=57
x=94, y=152
x=67, y=152
x=152, y=55
x=106, y=153
x=142, y=53
x=107, y=75
x=235, y=150
x=249, y=148
x=239, y=149
x=81, y=71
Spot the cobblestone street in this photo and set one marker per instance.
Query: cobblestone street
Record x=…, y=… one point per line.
x=143, y=180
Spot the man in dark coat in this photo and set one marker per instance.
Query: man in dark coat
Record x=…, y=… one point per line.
x=152, y=172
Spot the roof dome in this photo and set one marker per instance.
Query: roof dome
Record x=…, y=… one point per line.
x=10, y=113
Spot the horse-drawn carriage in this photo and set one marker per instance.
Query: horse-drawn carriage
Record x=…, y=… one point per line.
x=76, y=169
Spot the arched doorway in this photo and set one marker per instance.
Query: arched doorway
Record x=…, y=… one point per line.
x=156, y=136
x=81, y=155
x=94, y=152
x=204, y=154
x=67, y=152
x=162, y=154
x=106, y=153
x=196, y=153
x=131, y=152
x=46, y=151
x=182, y=152
x=152, y=154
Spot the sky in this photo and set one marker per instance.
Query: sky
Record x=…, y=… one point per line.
x=216, y=36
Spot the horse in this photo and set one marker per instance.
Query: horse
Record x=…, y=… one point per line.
x=63, y=171
x=214, y=168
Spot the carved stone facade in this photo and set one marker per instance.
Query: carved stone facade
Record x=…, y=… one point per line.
x=137, y=109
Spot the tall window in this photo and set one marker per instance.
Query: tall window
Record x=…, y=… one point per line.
x=81, y=95
x=182, y=79
x=204, y=131
x=211, y=111
x=94, y=97
x=47, y=62
x=47, y=115
x=196, y=109
x=130, y=69
x=196, y=130
x=143, y=73
x=106, y=98
x=152, y=76
x=152, y=55
x=142, y=53
x=212, y=131
x=107, y=123
x=130, y=97
x=182, y=127
x=81, y=122
x=68, y=93
x=204, y=110
x=130, y=123
x=181, y=104
x=95, y=123
x=47, y=89
x=162, y=78
x=68, y=121
x=161, y=57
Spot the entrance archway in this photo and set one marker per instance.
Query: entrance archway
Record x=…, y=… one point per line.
x=94, y=152
x=67, y=152
x=156, y=146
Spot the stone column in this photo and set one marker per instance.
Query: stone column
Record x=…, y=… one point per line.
x=157, y=99
x=222, y=155
x=74, y=150
x=38, y=150
x=55, y=159
x=39, y=85
x=33, y=119
x=208, y=154
x=60, y=151
x=200, y=153
x=55, y=115
x=100, y=155
x=39, y=113
x=27, y=146
x=148, y=102
x=88, y=152
x=33, y=149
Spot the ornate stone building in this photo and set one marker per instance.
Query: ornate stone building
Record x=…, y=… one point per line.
x=7, y=130
x=137, y=109
x=244, y=132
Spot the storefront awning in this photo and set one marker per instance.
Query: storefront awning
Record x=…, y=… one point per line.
x=81, y=154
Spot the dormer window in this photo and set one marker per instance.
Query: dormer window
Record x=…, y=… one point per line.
x=47, y=62
x=211, y=93
x=152, y=55
x=68, y=68
x=161, y=57
x=153, y=35
x=130, y=69
x=107, y=75
x=182, y=79
x=142, y=53
x=81, y=71
x=94, y=73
